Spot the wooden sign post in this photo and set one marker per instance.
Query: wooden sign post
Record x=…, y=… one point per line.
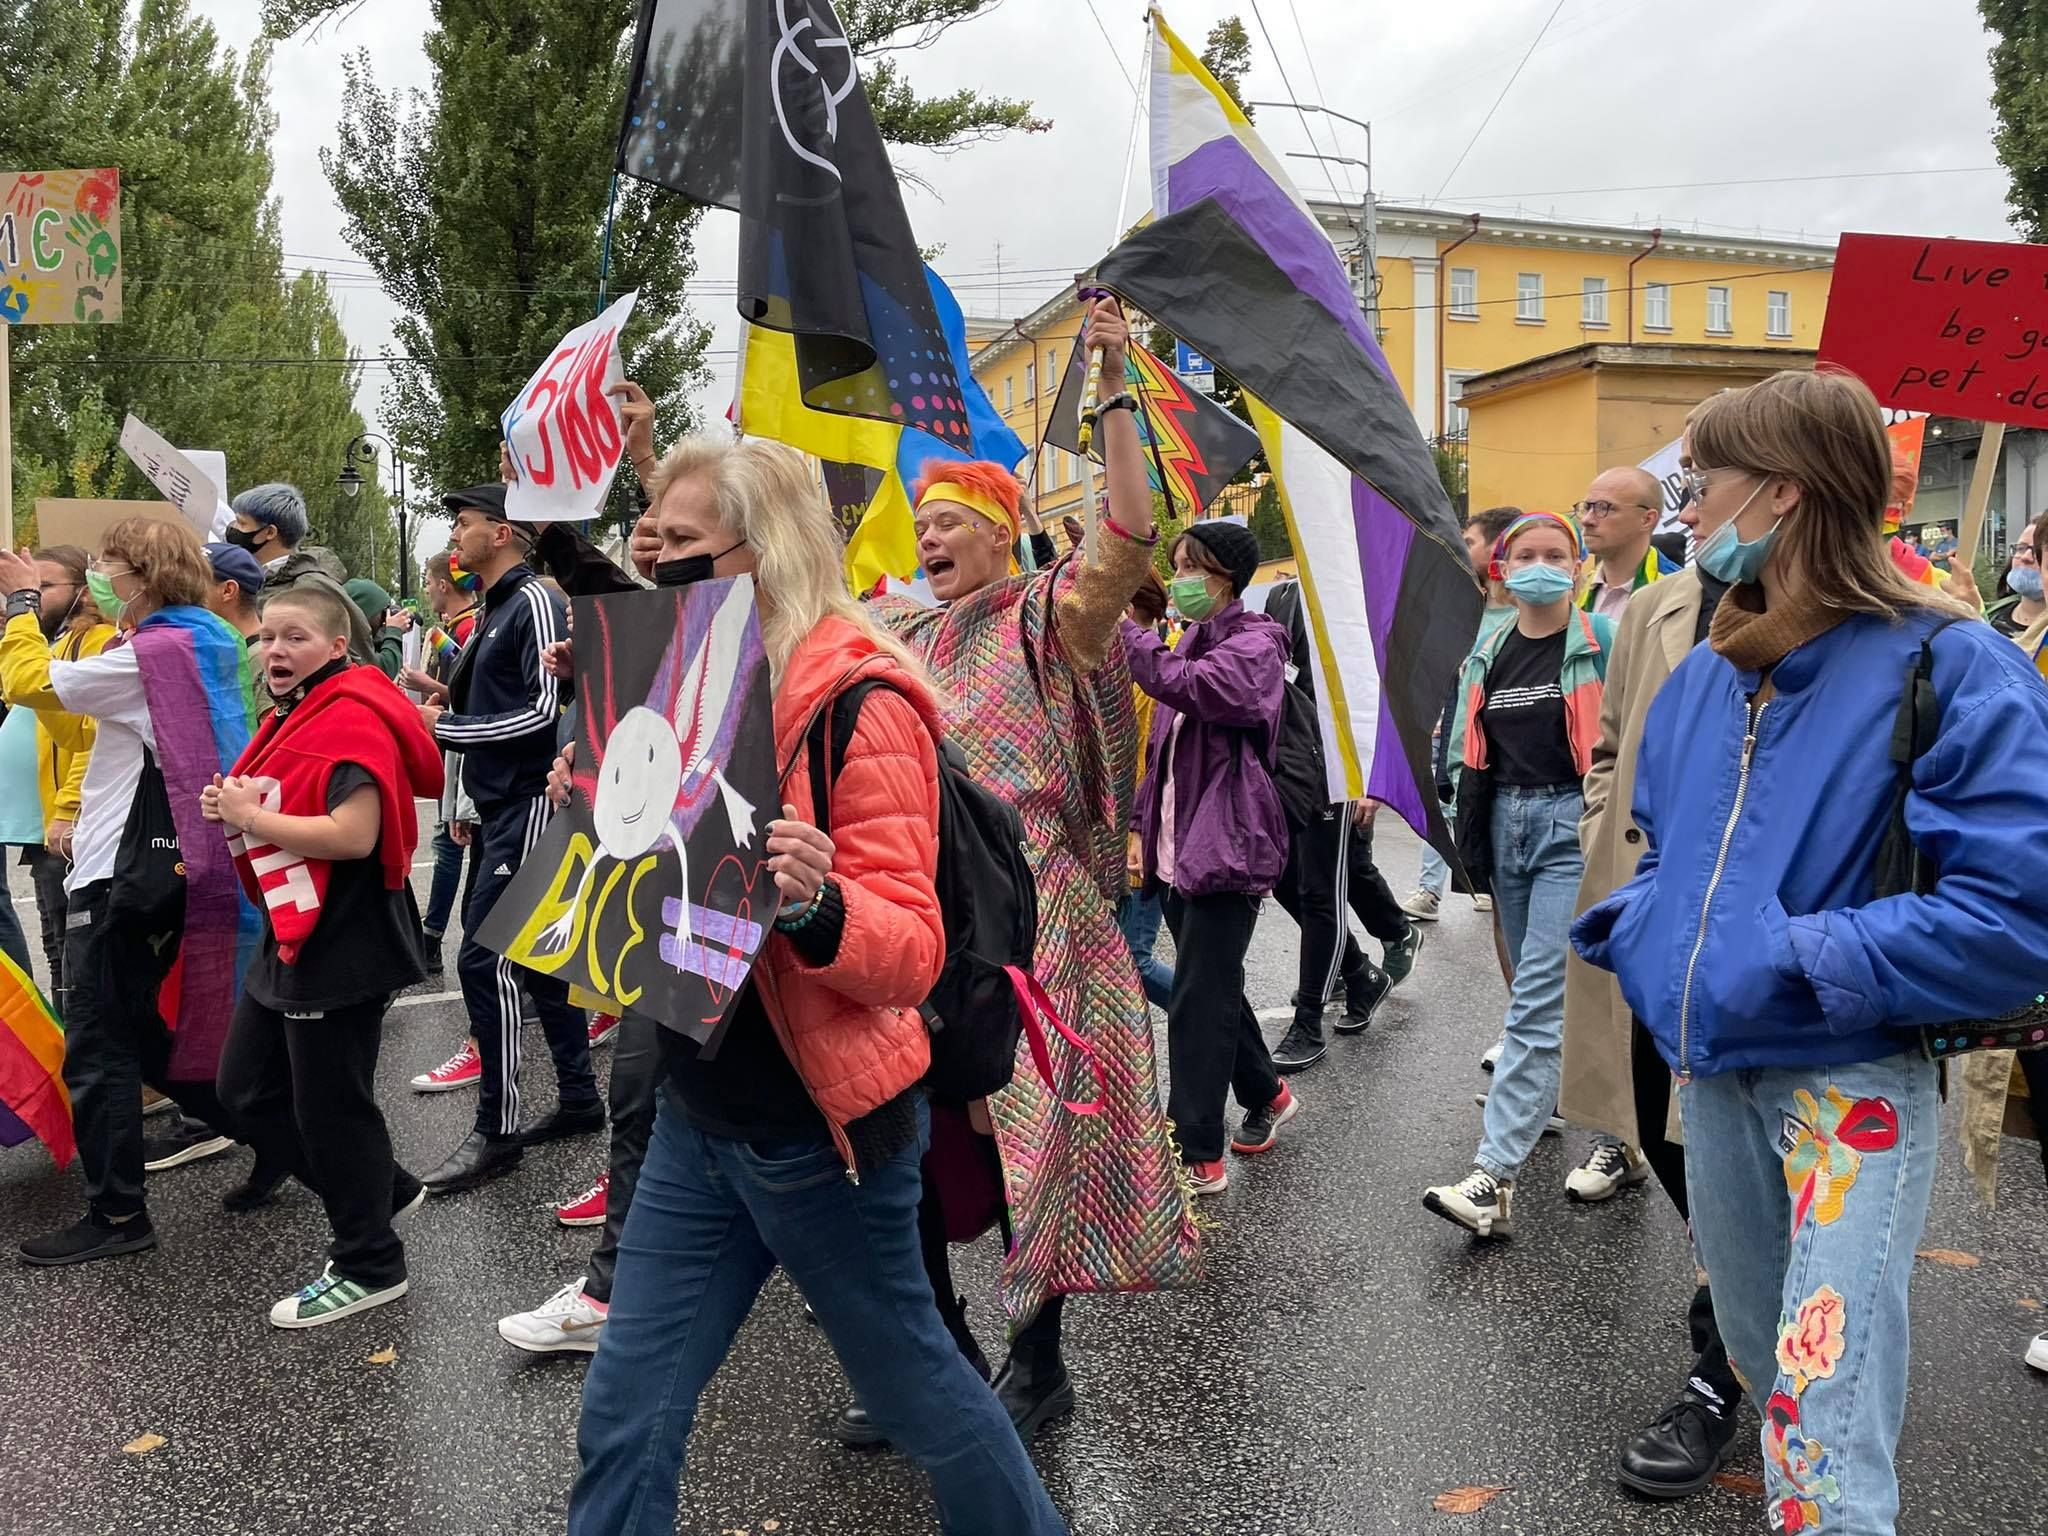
x=1971, y=527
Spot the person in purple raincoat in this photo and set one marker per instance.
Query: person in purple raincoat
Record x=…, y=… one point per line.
x=1213, y=837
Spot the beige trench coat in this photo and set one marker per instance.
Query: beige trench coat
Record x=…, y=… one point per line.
x=1653, y=637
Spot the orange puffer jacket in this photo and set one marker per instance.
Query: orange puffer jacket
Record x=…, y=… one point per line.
x=851, y=1028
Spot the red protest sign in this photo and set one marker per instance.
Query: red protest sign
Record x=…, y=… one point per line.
x=1956, y=327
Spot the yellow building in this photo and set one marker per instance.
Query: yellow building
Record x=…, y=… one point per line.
x=1461, y=295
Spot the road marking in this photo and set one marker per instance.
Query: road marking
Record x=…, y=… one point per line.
x=414, y=999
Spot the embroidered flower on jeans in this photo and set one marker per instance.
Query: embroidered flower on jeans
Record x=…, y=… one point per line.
x=1800, y=1469
x=1824, y=1144
x=1811, y=1343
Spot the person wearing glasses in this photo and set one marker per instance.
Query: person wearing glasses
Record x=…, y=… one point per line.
x=1616, y=519
x=2020, y=604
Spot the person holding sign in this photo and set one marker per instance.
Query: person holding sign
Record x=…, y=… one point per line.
x=1785, y=994
x=798, y=1143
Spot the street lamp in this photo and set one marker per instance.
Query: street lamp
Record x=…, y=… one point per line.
x=351, y=482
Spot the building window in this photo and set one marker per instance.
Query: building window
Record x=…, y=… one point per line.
x=1720, y=313
x=1052, y=470
x=1009, y=393
x=1030, y=380
x=1778, y=313
x=1052, y=369
x=1454, y=391
x=1529, y=297
x=1464, y=293
x=1593, y=301
x=1656, y=306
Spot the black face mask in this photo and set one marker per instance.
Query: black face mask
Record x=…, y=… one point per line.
x=53, y=623
x=241, y=538
x=339, y=665
x=689, y=569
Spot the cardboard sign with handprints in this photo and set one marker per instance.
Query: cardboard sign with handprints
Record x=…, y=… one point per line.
x=60, y=247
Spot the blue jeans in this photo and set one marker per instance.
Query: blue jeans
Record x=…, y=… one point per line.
x=1809, y=1191
x=1138, y=915
x=447, y=881
x=710, y=1221
x=1436, y=874
x=1536, y=870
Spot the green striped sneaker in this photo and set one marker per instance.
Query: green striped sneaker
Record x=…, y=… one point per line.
x=328, y=1300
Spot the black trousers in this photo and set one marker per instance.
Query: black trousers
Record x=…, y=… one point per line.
x=1710, y=1373
x=636, y=1079
x=506, y=832
x=114, y=1042
x=1370, y=897
x=1313, y=890
x=48, y=872
x=2034, y=1066
x=1213, y=1044
x=302, y=1090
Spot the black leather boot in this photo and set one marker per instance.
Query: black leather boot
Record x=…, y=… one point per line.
x=478, y=1160
x=1678, y=1454
x=1033, y=1386
x=855, y=1430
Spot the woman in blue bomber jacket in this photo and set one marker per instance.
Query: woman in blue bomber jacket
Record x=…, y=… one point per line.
x=1782, y=991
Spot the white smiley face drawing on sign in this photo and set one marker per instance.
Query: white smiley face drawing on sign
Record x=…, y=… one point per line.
x=637, y=784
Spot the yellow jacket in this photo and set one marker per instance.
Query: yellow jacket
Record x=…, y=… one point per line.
x=63, y=741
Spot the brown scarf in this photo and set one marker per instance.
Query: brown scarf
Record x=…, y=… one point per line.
x=1753, y=639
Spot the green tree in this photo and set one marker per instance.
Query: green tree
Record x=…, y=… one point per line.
x=215, y=349
x=2019, y=97
x=1268, y=523
x=481, y=204
x=1227, y=54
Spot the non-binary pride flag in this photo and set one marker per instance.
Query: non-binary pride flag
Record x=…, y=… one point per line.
x=1199, y=445
x=1238, y=267
x=756, y=106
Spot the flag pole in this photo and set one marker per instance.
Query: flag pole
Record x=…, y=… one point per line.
x=604, y=260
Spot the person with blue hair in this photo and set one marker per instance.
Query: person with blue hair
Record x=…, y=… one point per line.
x=270, y=522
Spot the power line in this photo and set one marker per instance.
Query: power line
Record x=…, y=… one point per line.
x=1112, y=45
x=1322, y=100
x=1503, y=96
x=1744, y=181
x=1288, y=86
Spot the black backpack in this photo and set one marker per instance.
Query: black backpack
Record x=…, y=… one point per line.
x=988, y=898
x=1298, y=758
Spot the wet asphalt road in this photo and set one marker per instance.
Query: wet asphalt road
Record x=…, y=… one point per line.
x=1349, y=1358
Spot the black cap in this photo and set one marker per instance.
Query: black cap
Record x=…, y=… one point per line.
x=487, y=499
x=1235, y=547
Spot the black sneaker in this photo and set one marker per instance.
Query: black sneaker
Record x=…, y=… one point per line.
x=185, y=1141
x=1303, y=1046
x=94, y=1237
x=1364, y=990
x=562, y=1123
x=1399, y=959
x=430, y=952
x=256, y=1191
x=1262, y=1126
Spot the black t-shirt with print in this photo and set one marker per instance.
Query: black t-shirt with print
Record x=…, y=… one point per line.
x=1524, y=713
x=365, y=944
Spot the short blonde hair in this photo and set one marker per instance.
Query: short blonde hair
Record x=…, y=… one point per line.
x=166, y=558
x=767, y=495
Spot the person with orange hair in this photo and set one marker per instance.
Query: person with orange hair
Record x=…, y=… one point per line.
x=1037, y=693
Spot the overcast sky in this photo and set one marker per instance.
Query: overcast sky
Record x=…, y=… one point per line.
x=1620, y=95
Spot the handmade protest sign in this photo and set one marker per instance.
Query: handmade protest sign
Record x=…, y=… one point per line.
x=651, y=890
x=563, y=429
x=60, y=247
x=183, y=483
x=1956, y=327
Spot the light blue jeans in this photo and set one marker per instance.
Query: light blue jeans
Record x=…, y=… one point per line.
x=1139, y=916
x=1536, y=870
x=1809, y=1190
x=1436, y=874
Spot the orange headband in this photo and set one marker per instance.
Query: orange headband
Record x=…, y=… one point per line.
x=975, y=501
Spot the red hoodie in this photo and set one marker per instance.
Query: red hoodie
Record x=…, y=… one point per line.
x=356, y=716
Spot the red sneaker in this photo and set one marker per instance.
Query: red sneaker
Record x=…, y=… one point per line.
x=1261, y=1128
x=462, y=1070
x=1209, y=1178
x=602, y=1027
x=587, y=1209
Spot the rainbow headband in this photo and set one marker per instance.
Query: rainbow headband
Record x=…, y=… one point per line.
x=975, y=501
x=1522, y=525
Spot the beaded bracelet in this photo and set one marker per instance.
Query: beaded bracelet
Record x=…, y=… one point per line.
x=808, y=911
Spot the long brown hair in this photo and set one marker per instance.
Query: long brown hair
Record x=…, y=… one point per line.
x=1823, y=431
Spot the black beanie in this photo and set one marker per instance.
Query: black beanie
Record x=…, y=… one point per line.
x=1235, y=547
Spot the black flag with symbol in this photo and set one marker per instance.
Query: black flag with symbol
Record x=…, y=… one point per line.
x=757, y=106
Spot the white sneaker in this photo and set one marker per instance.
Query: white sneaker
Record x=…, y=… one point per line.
x=1551, y=1127
x=1482, y=903
x=1492, y=1057
x=567, y=1320
x=1610, y=1167
x=1422, y=906
x=1479, y=1202
x=2037, y=1352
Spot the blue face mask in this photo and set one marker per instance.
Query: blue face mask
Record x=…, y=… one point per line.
x=1539, y=585
x=1727, y=558
x=2025, y=580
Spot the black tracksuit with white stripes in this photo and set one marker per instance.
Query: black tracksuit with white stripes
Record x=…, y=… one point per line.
x=503, y=710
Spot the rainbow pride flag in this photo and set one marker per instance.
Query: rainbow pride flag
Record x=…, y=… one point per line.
x=33, y=1099
x=442, y=644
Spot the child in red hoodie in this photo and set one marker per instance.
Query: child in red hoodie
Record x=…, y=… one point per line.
x=319, y=813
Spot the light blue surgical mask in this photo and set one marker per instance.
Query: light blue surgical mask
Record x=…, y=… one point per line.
x=1539, y=585
x=2025, y=580
x=1727, y=558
